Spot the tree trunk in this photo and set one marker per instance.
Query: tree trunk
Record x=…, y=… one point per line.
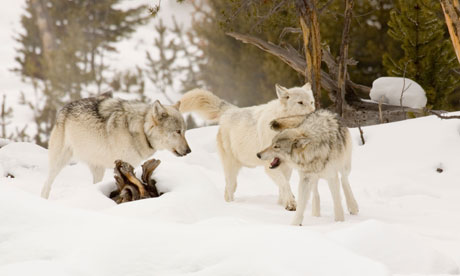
x=312, y=44
x=44, y=24
x=451, y=10
x=342, y=74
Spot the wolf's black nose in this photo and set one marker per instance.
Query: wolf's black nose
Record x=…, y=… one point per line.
x=188, y=150
x=258, y=155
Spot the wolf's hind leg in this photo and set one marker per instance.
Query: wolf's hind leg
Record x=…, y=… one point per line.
x=315, y=202
x=59, y=156
x=231, y=168
x=334, y=186
x=98, y=173
x=281, y=177
x=352, y=205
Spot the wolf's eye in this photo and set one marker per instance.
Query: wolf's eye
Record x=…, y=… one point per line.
x=300, y=102
x=178, y=131
x=276, y=146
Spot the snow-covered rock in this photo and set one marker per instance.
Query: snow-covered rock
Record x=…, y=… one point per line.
x=388, y=90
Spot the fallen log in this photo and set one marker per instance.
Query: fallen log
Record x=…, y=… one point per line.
x=129, y=187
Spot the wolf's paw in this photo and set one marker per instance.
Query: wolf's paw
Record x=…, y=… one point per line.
x=297, y=222
x=353, y=210
x=228, y=197
x=339, y=218
x=291, y=206
x=45, y=194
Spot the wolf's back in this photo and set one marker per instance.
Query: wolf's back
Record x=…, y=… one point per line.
x=205, y=103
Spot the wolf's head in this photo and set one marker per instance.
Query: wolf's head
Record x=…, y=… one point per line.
x=283, y=146
x=165, y=128
x=296, y=100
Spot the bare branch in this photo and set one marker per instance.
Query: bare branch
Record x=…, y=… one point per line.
x=361, y=134
x=320, y=10
x=288, y=30
x=439, y=115
x=404, y=89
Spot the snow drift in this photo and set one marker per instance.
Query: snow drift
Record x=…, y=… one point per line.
x=388, y=90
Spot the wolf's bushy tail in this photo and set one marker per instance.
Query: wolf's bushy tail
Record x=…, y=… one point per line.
x=205, y=103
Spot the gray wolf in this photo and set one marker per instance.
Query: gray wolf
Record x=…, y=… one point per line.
x=102, y=129
x=319, y=146
x=245, y=131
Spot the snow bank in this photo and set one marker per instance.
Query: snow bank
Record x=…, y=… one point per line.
x=39, y=237
x=402, y=251
x=388, y=89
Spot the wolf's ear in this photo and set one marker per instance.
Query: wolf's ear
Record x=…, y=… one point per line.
x=176, y=105
x=159, y=110
x=281, y=92
x=301, y=142
x=306, y=86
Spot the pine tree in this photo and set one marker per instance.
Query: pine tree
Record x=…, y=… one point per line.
x=82, y=33
x=369, y=37
x=237, y=72
x=428, y=55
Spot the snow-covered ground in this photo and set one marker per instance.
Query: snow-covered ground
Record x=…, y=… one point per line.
x=409, y=220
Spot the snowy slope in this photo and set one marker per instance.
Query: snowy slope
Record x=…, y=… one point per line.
x=409, y=221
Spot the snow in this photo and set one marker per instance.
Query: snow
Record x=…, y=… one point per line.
x=408, y=223
x=409, y=220
x=388, y=90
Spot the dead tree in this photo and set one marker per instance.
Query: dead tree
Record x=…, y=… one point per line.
x=129, y=187
x=308, y=17
x=342, y=74
x=451, y=10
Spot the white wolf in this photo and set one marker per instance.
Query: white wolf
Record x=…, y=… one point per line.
x=245, y=131
x=319, y=146
x=100, y=130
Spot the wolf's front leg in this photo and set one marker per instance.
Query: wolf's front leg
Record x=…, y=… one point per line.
x=305, y=186
x=281, y=176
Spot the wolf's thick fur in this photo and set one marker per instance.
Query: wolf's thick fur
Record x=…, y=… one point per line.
x=245, y=131
x=319, y=146
x=100, y=130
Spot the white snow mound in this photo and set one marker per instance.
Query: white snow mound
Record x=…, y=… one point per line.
x=388, y=90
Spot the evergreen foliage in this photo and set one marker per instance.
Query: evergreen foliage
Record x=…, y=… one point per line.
x=428, y=55
x=368, y=33
x=240, y=73
x=83, y=31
